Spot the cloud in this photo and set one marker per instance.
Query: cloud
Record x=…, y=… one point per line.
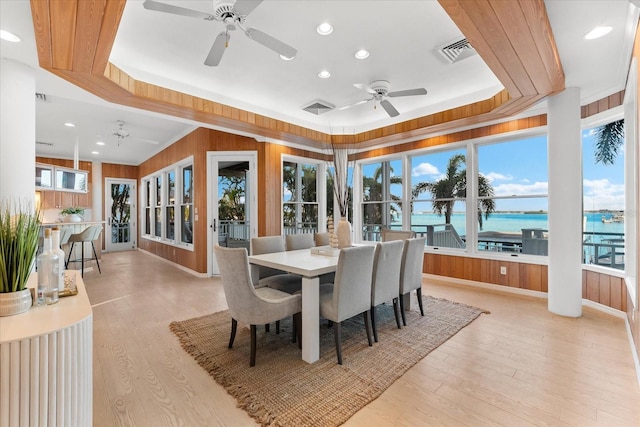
x=496, y=176
x=602, y=194
x=425, y=169
x=513, y=189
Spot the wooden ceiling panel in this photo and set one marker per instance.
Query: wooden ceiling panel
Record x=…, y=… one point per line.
x=74, y=39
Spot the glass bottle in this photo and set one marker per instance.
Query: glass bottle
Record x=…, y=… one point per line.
x=47, y=262
x=55, y=247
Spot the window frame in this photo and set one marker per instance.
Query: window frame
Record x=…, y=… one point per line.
x=321, y=190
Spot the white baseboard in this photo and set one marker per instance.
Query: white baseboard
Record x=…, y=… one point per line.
x=176, y=265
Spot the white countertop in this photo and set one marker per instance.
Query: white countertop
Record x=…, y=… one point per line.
x=50, y=318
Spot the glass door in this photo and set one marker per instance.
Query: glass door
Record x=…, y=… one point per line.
x=232, y=199
x=120, y=231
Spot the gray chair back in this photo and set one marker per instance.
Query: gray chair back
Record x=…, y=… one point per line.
x=299, y=241
x=323, y=239
x=89, y=234
x=267, y=245
x=411, y=268
x=388, y=235
x=352, y=286
x=385, y=282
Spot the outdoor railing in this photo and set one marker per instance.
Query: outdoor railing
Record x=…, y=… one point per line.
x=606, y=249
x=301, y=228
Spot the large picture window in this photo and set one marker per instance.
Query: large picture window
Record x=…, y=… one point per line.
x=165, y=193
x=381, y=198
x=300, y=205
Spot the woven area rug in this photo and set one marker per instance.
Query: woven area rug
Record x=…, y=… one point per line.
x=283, y=390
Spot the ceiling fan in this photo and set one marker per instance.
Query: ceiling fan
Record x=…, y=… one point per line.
x=379, y=90
x=232, y=15
x=121, y=133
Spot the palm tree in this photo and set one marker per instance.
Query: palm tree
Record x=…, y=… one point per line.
x=454, y=186
x=609, y=139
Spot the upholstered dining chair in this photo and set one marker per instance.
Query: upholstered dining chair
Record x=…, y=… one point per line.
x=271, y=277
x=299, y=241
x=385, y=282
x=411, y=272
x=323, y=239
x=88, y=235
x=248, y=304
x=350, y=294
x=388, y=235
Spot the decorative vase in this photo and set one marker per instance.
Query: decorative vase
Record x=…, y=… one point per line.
x=73, y=218
x=343, y=231
x=15, y=302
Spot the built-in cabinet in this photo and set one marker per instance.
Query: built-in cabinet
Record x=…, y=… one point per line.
x=60, y=187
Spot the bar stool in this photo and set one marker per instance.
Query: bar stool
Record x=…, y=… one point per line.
x=88, y=235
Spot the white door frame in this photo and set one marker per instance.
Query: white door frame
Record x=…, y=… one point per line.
x=133, y=196
x=213, y=159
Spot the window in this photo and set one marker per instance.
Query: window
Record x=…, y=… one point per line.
x=604, y=198
x=330, y=212
x=299, y=197
x=381, y=198
x=186, y=207
x=512, y=198
x=164, y=194
x=438, y=192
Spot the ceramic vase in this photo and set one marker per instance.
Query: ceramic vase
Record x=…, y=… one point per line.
x=15, y=302
x=343, y=231
x=73, y=218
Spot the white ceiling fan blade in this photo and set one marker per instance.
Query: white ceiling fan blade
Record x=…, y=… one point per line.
x=217, y=50
x=271, y=42
x=390, y=109
x=176, y=10
x=245, y=7
x=354, y=104
x=364, y=87
x=408, y=92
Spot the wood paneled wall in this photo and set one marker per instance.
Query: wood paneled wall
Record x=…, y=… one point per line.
x=604, y=289
x=532, y=277
x=197, y=144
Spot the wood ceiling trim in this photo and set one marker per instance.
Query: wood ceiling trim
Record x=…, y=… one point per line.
x=74, y=39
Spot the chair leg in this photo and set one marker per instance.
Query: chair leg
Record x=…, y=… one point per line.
x=297, y=322
x=96, y=257
x=419, y=292
x=82, y=260
x=266, y=327
x=234, y=328
x=396, y=312
x=373, y=324
x=367, y=326
x=252, y=361
x=277, y=326
x=66, y=264
x=404, y=318
x=337, y=334
x=294, y=329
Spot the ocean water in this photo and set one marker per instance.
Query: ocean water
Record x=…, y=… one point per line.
x=512, y=222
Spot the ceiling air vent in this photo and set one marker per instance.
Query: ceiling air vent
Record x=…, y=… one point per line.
x=318, y=107
x=41, y=97
x=457, y=50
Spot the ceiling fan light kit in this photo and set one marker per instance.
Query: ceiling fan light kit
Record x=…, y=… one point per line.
x=233, y=15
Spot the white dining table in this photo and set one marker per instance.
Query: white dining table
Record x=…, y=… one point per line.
x=310, y=267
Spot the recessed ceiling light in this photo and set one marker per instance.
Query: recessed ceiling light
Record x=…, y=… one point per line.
x=99, y=143
x=324, y=74
x=324, y=29
x=95, y=152
x=362, y=54
x=10, y=37
x=69, y=125
x=598, y=32
x=286, y=58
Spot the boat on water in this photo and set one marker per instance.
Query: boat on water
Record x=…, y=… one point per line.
x=613, y=218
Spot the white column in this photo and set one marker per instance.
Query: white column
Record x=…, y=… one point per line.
x=97, y=211
x=17, y=131
x=565, y=204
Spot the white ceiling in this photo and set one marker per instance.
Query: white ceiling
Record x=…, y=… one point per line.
x=402, y=36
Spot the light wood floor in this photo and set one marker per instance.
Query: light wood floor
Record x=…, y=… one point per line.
x=519, y=365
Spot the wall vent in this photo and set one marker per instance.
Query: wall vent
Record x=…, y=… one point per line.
x=318, y=107
x=41, y=97
x=457, y=50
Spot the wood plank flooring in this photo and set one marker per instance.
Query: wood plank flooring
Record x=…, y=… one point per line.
x=518, y=366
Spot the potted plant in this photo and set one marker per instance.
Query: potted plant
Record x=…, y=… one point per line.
x=19, y=234
x=73, y=214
